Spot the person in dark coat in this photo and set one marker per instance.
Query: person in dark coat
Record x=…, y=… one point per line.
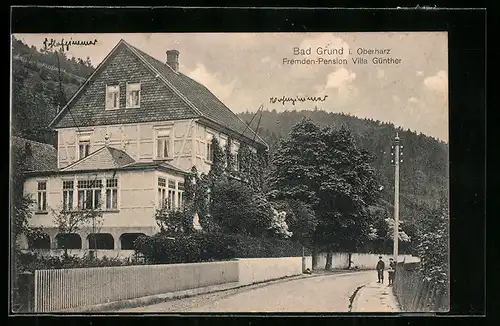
x=380, y=270
x=391, y=271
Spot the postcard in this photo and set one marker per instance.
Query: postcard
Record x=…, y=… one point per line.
x=230, y=172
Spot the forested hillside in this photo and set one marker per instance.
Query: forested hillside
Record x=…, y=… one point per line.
x=42, y=82
x=424, y=170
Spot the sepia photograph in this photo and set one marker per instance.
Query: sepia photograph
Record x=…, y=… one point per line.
x=229, y=172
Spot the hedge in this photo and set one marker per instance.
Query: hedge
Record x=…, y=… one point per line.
x=29, y=262
x=417, y=294
x=203, y=247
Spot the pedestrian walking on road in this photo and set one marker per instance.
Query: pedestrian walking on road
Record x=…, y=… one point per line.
x=391, y=271
x=380, y=270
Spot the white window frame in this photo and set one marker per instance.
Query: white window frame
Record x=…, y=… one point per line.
x=92, y=188
x=180, y=195
x=164, y=134
x=112, y=89
x=237, y=161
x=68, y=195
x=114, y=191
x=236, y=152
x=162, y=191
x=83, y=139
x=209, y=151
x=223, y=141
x=171, y=194
x=41, y=198
x=133, y=87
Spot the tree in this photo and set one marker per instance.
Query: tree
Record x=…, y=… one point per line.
x=301, y=221
x=279, y=226
x=72, y=221
x=21, y=204
x=217, y=170
x=236, y=208
x=170, y=221
x=433, y=246
x=253, y=166
x=323, y=168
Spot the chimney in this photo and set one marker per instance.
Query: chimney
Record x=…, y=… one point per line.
x=27, y=148
x=173, y=59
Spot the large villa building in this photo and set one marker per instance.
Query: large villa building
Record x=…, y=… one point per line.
x=125, y=140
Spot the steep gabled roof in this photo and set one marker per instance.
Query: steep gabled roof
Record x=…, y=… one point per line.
x=204, y=101
x=34, y=156
x=104, y=158
x=109, y=158
x=196, y=99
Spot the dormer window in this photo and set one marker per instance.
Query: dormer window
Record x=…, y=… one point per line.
x=112, y=97
x=133, y=95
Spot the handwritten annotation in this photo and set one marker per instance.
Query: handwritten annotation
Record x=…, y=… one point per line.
x=64, y=45
x=285, y=99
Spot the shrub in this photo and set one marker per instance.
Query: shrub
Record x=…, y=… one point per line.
x=204, y=246
x=237, y=208
x=29, y=262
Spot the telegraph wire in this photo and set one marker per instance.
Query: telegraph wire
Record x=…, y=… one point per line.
x=61, y=94
x=248, y=124
x=257, y=128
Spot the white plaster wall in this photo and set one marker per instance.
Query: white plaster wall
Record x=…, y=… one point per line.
x=136, y=198
x=308, y=262
x=253, y=270
x=361, y=261
x=169, y=177
x=137, y=140
x=202, y=132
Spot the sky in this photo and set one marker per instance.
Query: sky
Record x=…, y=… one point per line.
x=245, y=70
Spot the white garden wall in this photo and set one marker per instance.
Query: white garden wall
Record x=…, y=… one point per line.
x=252, y=270
x=361, y=261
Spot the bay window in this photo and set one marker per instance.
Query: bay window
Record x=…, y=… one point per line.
x=162, y=188
x=171, y=194
x=89, y=194
x=180, y=195
x=68, y=195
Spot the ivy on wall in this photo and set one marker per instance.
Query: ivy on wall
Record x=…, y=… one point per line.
x=250, y=170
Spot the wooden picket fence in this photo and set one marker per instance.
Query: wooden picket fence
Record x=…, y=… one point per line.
x=64, y=289
x=415, y=294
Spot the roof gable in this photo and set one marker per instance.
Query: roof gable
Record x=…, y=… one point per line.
x=165, y=95
x=104, y=158
x=158, y=101
x=205, y=102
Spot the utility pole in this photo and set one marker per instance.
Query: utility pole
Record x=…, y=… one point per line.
x=396, y=160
